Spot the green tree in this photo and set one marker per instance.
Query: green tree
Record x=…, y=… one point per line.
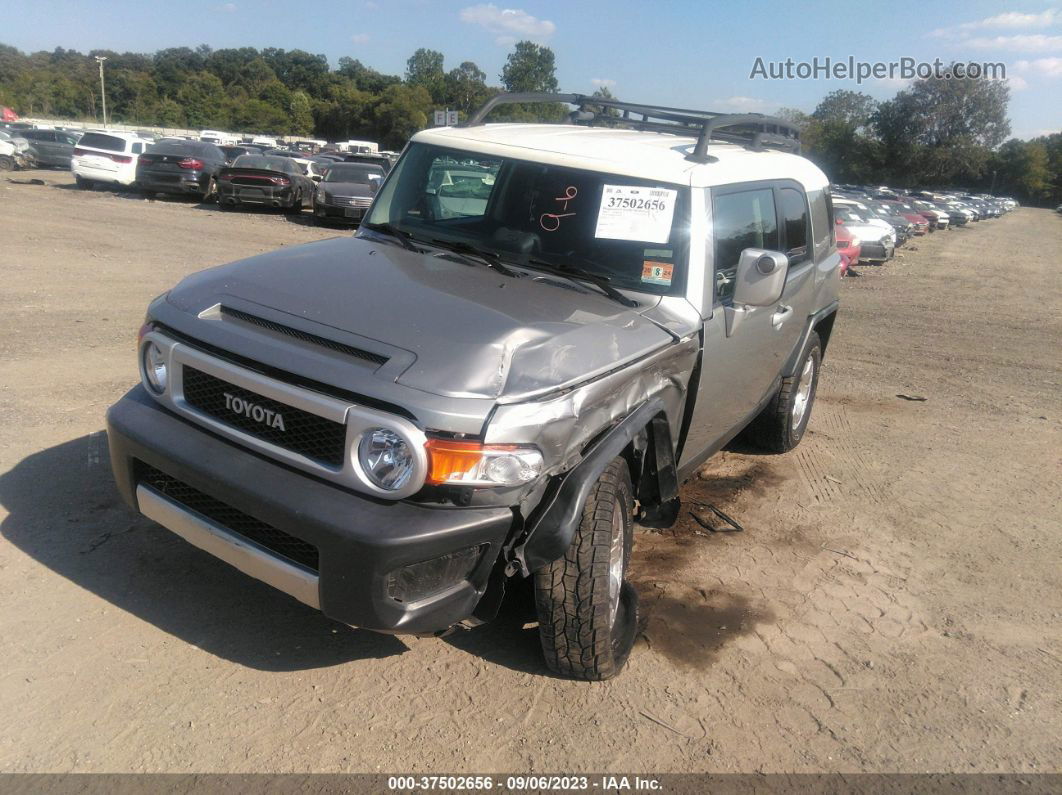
x=425, y=68
x=399, y=112
x=301, y=114
x=466, y=87
x=938, y=132
x=203, y=98
x=169, y=114
x=530, y=67
x=259, y=116
x=1024, y=169
x=849, y=108
x=836, y=137
x=365, y=79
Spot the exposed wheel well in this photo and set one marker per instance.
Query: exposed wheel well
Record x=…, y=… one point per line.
x=824, y=327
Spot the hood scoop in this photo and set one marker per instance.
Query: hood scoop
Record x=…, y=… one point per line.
x=244, y=317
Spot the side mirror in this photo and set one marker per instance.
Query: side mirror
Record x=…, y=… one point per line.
x=760, y=277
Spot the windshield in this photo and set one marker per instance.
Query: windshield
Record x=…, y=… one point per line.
x=101, y=141
x=844, y=213
x=633, y=232
x=350, y=173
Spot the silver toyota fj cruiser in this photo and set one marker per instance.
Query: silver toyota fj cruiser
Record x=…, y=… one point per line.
x=538, y=333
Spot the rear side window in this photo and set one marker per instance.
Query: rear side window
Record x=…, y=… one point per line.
x=101, y=141
x=746, y=219
x=820, y=222
x=795, y=218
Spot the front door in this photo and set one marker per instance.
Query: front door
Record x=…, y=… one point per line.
x=746, y=348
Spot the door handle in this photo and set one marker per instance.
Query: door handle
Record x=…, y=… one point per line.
x=779, y=317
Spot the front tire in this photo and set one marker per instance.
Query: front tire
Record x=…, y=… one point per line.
x=781, y=425
x=84, y=184
x=587, y=612
x=7, y=163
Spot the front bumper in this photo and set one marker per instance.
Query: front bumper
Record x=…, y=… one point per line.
x=877, y=252
x=264, y=196
x=180, y=184
x=359, y=540
x=332, y=212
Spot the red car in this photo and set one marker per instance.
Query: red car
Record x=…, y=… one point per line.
x=921, y=223
x=848, y=247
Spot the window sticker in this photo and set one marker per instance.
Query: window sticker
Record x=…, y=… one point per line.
x=657, y=273
x=630, y=212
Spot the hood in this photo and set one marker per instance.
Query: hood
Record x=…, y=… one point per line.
x=465, y=330
x=866, y=231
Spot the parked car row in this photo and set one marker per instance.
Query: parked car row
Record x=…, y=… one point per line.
x=338, y=186
x=872, y=222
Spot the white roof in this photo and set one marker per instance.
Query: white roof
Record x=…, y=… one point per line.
x=646, y=155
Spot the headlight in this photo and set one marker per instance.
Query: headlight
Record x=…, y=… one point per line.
x=386, y=458
x=475, y=464
x=153, y=364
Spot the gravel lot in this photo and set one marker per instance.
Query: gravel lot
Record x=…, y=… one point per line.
x=894, y=603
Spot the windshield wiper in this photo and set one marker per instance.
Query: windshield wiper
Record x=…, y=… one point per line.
x=489, y=258
x=403, y=238
x=572, y=273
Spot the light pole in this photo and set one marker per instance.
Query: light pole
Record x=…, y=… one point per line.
x=103, y=92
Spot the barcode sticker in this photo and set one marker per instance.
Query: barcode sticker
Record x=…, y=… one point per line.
x=630, y=212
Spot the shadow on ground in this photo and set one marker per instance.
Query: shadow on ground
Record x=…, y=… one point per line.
x=64, y=512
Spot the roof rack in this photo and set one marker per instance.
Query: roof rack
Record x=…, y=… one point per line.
x=754, y=130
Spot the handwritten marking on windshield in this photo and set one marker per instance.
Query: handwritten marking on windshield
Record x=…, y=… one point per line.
x=550, y=222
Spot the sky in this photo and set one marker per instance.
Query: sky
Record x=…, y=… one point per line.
x=684, y=53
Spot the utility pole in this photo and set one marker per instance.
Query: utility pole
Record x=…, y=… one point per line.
x=103, y=92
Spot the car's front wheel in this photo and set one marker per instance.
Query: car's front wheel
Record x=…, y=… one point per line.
x=587, y=612
x=84, y=184
x=781, y=425
x=7, y=163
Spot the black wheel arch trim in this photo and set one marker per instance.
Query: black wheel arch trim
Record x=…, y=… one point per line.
x=552, y=527
x=816, y=321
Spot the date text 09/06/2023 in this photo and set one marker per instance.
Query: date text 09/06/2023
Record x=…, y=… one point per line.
x=609, y=783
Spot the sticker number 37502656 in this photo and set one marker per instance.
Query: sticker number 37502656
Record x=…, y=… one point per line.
x=633, y=212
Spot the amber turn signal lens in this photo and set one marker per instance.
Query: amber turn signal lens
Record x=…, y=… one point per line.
x=475, y=464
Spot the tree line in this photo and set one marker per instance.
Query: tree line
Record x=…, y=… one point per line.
x=933, y=134
x=272, y=91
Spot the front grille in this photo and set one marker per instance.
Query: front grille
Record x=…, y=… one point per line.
x=237, y=522
x=353, y=201
x=339, y=347
x=299, y=431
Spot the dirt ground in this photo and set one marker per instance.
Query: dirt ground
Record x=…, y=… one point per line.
x=893, y=604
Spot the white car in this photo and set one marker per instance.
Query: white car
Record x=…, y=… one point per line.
x=106, y=158
x=15, y=152
x=867, y=217
x=875, y=244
